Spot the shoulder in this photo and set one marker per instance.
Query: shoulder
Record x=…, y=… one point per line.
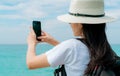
x=72, y=43
x=75, y=41
x=68, y=43
x=65, y=45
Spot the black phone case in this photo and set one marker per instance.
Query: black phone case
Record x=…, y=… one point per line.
x=37, y=28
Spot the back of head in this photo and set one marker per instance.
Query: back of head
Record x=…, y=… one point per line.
x=100, y=51
x=95, y=33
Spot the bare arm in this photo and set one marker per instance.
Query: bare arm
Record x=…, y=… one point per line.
x=33, y=61
x=49, y=39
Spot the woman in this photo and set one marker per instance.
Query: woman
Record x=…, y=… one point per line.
x=88, y=22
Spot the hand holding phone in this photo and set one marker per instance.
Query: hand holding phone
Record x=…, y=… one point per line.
x=37, y=29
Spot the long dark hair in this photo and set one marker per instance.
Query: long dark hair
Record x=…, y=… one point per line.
x=100, y=50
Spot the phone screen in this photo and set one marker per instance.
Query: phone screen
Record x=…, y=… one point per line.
x=37, y=28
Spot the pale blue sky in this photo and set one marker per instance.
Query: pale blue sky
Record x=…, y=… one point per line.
x=16, y=16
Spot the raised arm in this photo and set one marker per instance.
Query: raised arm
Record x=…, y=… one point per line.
x=38, y=61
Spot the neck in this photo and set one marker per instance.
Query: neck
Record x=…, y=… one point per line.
x=80, y=36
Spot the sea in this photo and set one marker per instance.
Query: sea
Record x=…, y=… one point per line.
x=13, y=60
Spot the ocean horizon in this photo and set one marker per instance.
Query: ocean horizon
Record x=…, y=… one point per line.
x=13, y=60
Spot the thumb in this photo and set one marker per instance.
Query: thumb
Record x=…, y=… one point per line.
x=42, y=37
x=44, y=33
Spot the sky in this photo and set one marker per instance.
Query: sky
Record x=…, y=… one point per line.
x=16, y=17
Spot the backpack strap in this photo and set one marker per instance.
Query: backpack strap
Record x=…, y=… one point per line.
x=82, y=40
x=60, y=71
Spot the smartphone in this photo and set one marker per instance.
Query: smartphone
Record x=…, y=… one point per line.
x=37, y=29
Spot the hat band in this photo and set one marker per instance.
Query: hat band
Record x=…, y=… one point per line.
x=86, y=15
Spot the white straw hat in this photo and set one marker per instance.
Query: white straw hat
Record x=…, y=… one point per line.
x=86, y=11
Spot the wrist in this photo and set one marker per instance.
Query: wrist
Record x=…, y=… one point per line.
x=54, y=43
x=31, y=46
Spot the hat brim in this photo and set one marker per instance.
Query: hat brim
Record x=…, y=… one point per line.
x=80, y=19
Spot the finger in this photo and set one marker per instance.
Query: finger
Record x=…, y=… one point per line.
x=42, y=40
x=32, y=31
x=42, y=37
x=43, y=33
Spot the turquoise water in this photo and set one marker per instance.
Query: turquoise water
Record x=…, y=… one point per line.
x=13, y=60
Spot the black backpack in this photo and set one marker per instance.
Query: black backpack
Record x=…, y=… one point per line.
x=113, y=70
x=99, y=70
x=60, y=71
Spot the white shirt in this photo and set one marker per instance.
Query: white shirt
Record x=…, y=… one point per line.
x=73, y=54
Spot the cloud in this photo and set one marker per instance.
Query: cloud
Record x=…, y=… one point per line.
x=24, y=11
x=32, y=9
x=112, y=3
x=35, y=9
x=11, y=16
x=112, y=8
x=5, y=7
x=28, y=10
x=114, y=13
x=14, y=35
